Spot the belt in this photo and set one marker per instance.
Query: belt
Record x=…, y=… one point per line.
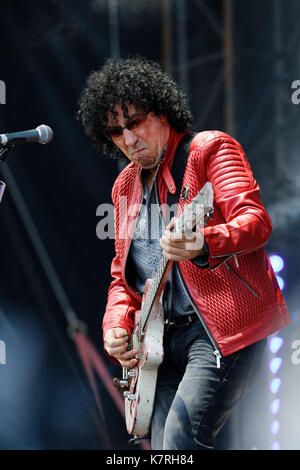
x=183, y=320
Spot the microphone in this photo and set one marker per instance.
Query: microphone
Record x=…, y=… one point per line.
x=42, y=134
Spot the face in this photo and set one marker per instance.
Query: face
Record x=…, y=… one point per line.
x=146, y=138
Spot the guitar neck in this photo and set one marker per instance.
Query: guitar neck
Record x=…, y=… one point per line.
x=155, y=287
x=193, y=214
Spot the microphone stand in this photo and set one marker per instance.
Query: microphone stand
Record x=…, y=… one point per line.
x=4, y=151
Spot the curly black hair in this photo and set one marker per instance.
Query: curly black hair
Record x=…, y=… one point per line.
x=133, y=80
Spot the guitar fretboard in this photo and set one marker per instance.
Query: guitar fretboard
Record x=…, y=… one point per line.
x=153, y=289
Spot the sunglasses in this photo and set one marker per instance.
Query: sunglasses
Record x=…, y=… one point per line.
x=133, y=124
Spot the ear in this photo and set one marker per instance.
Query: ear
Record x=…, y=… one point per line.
x=163, y=119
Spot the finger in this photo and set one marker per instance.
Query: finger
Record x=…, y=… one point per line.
x=181, y=254
x=168, y=235
x=178, y=256
x=171, y=224
x=115, y=342
x=178, y=237
x=170, y=249
x=115, y=333
x=185, y=244
x=175, y=257
x=116, y=336
x=169, y=244
x=128, y=359
x=176, y=249
x=128, y=355
x=121, y=334
x=129, y=363
x=114, y=351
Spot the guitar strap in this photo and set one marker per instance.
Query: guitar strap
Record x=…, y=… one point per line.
x=179, y=165
x=177, y=170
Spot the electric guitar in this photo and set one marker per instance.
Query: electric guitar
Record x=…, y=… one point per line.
x=138, y=384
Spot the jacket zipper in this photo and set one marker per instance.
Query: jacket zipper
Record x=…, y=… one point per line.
x=231, y=254
x=217, y=352
x=234, y=255
x=241, y=279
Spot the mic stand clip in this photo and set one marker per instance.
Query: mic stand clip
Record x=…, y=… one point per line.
x=4, y=151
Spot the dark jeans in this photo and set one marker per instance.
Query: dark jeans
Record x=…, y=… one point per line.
x=193, y=397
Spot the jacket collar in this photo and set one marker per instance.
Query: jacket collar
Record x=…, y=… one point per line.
x=167, y=161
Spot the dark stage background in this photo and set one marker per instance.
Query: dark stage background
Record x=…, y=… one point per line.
x=237, y=62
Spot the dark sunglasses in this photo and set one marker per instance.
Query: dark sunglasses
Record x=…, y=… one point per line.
x=133, y=124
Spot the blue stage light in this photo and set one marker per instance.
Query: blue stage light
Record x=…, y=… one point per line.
x=275, y=364
x=275, y=427
x=275, y=405
x=275, y=344
x=275, y=446
x=277, y=263
x=275, y=385
x=280, y=282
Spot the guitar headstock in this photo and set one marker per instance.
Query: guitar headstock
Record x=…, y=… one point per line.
x=196, y=212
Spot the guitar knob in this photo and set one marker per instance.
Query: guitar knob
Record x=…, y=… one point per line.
x=129, y=396
x=131, y=373
x=123, y=383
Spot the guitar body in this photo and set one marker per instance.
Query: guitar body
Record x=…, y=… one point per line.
x=139, y=400
x=147, y=336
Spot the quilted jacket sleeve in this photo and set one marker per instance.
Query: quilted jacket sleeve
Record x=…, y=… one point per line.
x=121, y=303
x=247, y=225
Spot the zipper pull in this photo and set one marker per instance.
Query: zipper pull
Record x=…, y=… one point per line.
x=236, y=261
x=218, y=357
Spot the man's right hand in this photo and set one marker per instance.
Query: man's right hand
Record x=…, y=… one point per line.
x=116, y=344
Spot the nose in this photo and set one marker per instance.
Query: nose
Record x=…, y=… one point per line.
x=130, y=138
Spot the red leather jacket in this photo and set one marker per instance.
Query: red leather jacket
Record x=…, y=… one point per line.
x=237, y=295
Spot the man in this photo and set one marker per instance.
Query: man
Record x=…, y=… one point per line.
x=224, y=298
